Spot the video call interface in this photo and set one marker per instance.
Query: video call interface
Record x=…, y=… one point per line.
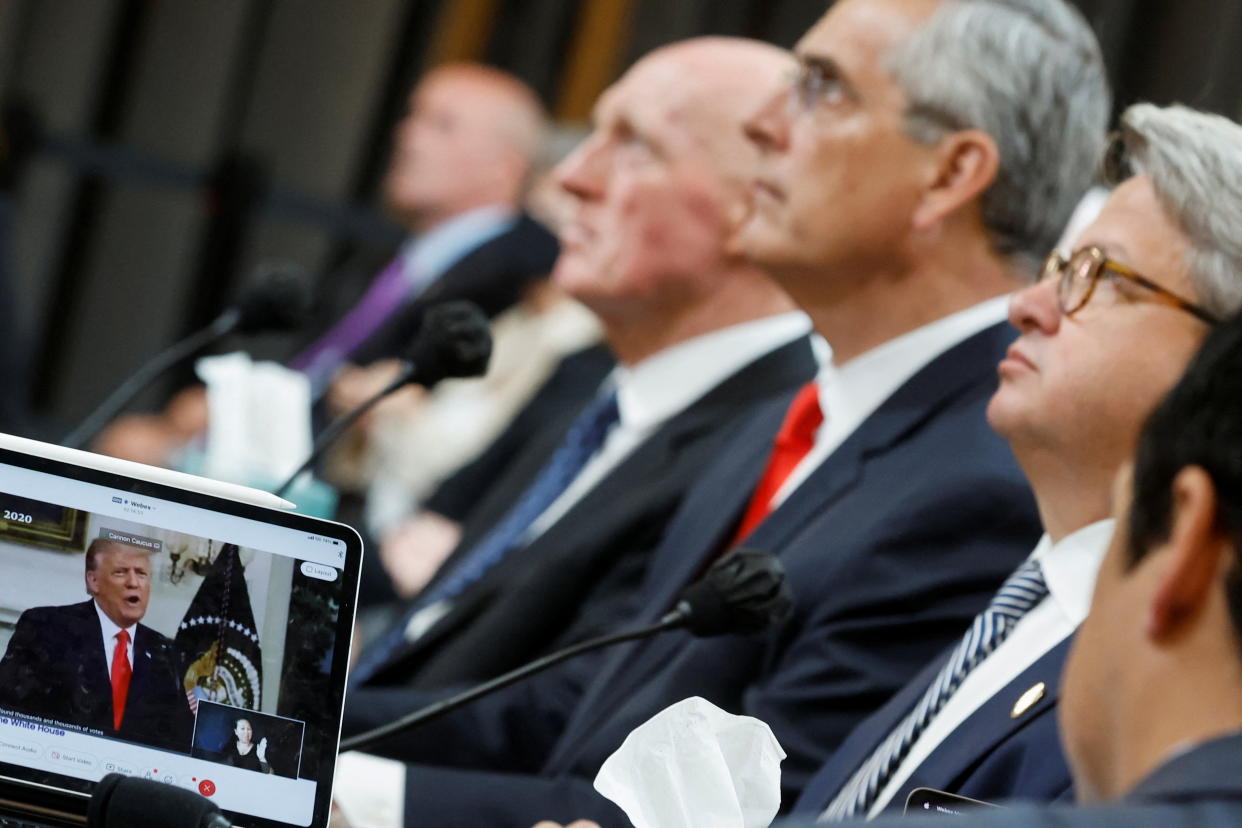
x=201, y=659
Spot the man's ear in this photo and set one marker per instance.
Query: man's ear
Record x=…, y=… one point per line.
x=966, y=165
x=1193, y=553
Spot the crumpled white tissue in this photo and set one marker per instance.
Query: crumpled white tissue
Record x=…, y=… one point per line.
x=259, y=424
x=693, y=765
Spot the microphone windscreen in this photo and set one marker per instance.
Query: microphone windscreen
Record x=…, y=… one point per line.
x=454, y=341
x=743, y=592
x=129, y=802
x=279, y=300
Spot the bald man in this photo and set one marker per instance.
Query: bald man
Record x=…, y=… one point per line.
x=702, y=338
x=460, y=159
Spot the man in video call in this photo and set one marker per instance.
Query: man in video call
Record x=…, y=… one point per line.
x=93, y=664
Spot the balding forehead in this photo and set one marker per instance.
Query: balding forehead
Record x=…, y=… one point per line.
x=706, y=80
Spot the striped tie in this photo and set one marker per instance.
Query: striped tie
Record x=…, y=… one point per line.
x=1024, y=589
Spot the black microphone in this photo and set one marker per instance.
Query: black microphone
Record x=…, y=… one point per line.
x=454, y=341
x=280, y=300
x=742, y=593
x=123, y=801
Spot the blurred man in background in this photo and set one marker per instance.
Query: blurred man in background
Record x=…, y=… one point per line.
x=461, y=158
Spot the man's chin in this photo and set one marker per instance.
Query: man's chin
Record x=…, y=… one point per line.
x=1006, y=414
x=760, y=244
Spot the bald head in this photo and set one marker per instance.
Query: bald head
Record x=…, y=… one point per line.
x=468, y=140
x=658, y=187
x=706, y=88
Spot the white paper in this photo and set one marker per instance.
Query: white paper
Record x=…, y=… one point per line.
x=259, y=427
x=693, y=765
x=370, y=791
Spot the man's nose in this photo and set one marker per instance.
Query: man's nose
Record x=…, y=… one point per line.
x=1036, y=308
x=768, y=127
x=581, y=173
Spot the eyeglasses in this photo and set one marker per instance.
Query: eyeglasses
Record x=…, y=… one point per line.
x=1078, y=275
x=812, y=82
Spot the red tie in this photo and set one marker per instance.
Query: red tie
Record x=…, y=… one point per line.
x=121, y=674
x=793, y=442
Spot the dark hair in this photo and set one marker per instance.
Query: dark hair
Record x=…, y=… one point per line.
x=1199, y=423
x=92, y=551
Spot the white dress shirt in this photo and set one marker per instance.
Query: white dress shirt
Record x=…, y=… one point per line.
x=427, y=256
x=110, y=632
x=850, y=393
x=1069, y=568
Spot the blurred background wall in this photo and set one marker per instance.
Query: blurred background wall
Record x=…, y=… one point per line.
x=158, y=150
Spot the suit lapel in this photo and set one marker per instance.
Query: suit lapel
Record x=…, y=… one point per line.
x=993, y=723
x=690, y=544
x=92, y=692
x=863, y=741
x=140, y=683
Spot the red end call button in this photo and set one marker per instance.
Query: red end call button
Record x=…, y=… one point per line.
x=206, y=787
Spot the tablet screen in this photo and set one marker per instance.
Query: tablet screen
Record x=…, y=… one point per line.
x=172, y=635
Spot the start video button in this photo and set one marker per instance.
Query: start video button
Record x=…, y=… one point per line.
x=73, y=758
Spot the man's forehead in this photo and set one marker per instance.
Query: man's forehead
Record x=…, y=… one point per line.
x=653, y=90
x=1130, y=213
x=124, y=550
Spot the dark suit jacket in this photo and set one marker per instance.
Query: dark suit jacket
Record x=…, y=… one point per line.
x=569, y=388
x=990, y=756
x=891, y=547
x=578, y=578
x=493, y=276
x=54, y=667
x=1198, y=789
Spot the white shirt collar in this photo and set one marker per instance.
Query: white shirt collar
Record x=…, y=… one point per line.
x=852, y=391
x=429, y=254
x=662, y=385
x=109, y=627
x=1070, y=566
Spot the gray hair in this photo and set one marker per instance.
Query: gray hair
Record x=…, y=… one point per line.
x=1194, y=161
x=1029, y=73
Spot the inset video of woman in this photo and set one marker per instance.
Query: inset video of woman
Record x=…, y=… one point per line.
x=244, y=753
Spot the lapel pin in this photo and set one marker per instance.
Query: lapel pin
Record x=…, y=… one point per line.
x=1028, y=699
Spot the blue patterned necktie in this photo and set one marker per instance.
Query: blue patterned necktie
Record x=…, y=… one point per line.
x=582, y=441
x=1024, y=589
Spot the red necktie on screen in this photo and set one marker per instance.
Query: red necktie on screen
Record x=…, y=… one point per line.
x=793, y=442
x=121, y=674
